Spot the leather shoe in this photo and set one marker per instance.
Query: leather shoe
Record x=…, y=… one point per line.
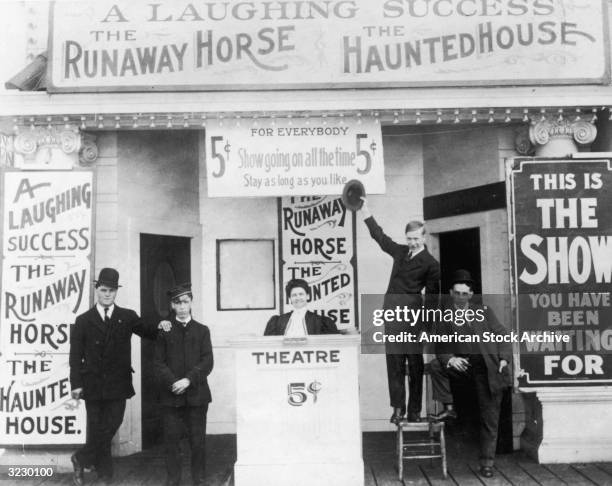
x=397, y=416
x=77, y=477
x=413, y=417
x=447, y=414
x=486, y=471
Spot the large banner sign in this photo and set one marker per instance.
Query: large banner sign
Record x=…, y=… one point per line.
x=314, y=156
x=181, y=45
x=562, y=270
x=46, y=282
x=317, y=244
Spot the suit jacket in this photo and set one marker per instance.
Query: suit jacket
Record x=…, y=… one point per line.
x=315, y=324
x=492, y=352
x=101, y=354
x=184, y=353
x=408, y=276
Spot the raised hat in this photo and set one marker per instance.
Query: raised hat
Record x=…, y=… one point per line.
x=352, y=193
x=462, y=276
x=178, y=290
x=108, y=277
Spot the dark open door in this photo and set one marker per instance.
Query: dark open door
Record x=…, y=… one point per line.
x=460, y=250
x=164, y=262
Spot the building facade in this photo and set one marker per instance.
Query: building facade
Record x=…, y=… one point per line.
x=465, y=102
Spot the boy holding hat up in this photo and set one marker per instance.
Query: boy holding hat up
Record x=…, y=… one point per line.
x=183, y=360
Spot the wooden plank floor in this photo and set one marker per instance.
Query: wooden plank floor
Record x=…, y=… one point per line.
x=380, y=465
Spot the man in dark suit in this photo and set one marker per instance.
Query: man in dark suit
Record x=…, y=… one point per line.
x=183, y=360
x=483, y=363
x=414, y=270
x=299, y=322
x=101, y=371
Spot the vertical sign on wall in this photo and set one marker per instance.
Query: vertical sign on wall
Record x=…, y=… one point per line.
x=562, y=270
x=317, y=236
x=46, y=282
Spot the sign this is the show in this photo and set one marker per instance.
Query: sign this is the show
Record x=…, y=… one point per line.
x=317, y=237
x=312, y=156
x=562, y=248
x=182, y=45
x=46, y=282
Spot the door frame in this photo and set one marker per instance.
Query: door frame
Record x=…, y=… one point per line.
x=494, y=255
x=493, y=244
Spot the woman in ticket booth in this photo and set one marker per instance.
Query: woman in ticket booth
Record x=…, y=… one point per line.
x=299, y=322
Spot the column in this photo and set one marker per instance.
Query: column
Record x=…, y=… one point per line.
x=558, y=136
x=564, y=424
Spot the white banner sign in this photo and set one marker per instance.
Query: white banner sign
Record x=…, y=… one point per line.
x=317, y=237
x=178, y=45
x=314, y=156
x=46, y=282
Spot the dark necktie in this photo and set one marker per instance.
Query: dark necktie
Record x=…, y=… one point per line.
x=106, y=316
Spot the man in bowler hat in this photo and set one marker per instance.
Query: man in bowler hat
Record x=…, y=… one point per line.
x=414, y=270
x=483, y=363
x=183, y=360
x=101, y=371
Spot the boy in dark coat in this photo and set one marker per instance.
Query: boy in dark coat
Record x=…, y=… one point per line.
x=414, y=270
x=183, y=360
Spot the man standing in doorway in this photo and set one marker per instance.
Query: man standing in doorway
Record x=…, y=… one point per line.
x=414, y=270
x=483, y=363
x=183, y=360
x=101, y=371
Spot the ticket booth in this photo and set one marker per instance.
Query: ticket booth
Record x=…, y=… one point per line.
x=297, y=411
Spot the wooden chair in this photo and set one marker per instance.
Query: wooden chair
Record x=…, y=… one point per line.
x=433, y=447
x=420, y=448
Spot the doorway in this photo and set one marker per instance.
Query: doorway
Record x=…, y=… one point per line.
x=461, y=250
x=164, y=262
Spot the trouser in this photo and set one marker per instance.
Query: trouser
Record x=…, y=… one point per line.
x=103, y=419
x=396, y=375
x=194, y=420
x=489, y=403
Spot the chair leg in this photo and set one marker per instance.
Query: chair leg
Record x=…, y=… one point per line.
x=443, y=452
x=400, y=453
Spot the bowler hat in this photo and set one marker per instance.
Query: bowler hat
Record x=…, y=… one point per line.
x=178, y=290
x=108, y=277
x=462, y=276
x=352, y=193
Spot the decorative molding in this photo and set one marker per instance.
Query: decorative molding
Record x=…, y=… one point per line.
x=89, y=149
x=177, y=120
x=522, y=142
x=29, y=142
x=52, y=147
x=7, y=152
x=550, y=128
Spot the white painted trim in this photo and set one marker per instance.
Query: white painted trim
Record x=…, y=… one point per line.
x=41, y=103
